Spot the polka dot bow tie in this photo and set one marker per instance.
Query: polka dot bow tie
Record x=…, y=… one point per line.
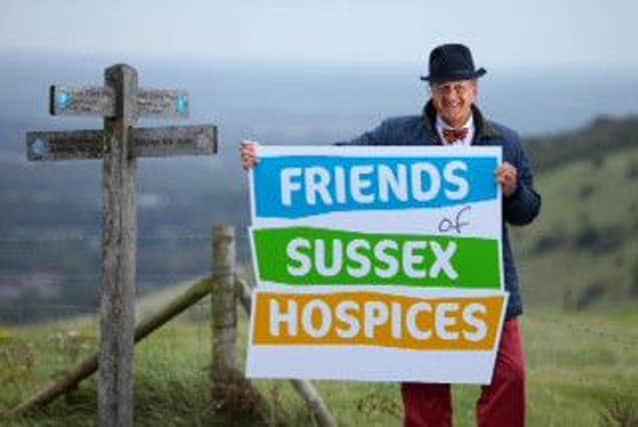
x=453, y=135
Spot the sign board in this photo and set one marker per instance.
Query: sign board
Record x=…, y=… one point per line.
x=376, y=263
x=101, y=101
x=119, y=144
x=148, y=142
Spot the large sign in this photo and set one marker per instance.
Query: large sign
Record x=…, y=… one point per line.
x=376, y=263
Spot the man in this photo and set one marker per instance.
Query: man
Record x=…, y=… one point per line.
x=451, y=117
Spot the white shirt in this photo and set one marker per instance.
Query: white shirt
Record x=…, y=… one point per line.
x=467, y=141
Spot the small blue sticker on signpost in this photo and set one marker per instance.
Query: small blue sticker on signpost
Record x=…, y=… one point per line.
x=39, y=148
x=181, y=105
x=64, y=101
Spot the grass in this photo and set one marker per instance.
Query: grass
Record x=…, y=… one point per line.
x=582, y=366
x=589, y=221
x=579, y=366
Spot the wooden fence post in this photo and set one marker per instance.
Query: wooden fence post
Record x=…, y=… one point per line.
x=224, y=307
x=88, y=366
x=305, y=388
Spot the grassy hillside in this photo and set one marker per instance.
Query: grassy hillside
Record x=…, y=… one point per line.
x=580, y=367
x=579, y=272
x=583, y=249
x=179, y=202
x=604, y=135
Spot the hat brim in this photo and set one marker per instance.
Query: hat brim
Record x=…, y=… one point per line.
x=463, y=75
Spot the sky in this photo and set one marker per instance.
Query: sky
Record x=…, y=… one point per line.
x=506, y=34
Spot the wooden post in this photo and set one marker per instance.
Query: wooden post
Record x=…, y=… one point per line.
x=87, y=367
x=305, y=388
x=120, y=102
x=119, y=235
x=233, y=397
x=224, y=364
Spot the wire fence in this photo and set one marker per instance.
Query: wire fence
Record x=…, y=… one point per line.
x=31, y=356
x=33, y=352
x=54, y=336
x=90, y=237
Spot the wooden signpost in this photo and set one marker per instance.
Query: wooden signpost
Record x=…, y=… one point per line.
x=121, y=103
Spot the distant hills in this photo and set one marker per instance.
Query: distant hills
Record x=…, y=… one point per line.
x=289, y=102
x=601, y=137
x=581, y=251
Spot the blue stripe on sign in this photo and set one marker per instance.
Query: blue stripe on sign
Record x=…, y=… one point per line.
x=299, y=186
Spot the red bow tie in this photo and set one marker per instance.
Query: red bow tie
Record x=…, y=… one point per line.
x=453, y=135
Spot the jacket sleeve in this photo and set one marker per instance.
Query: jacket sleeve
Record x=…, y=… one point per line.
x=524, y=205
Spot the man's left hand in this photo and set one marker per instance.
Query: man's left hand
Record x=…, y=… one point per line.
x=507, y=176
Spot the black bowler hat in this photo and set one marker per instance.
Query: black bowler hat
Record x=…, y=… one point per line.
x=450, y=62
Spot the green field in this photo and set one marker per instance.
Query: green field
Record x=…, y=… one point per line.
x=579, y=366
x=585, y=242
x=579, y=274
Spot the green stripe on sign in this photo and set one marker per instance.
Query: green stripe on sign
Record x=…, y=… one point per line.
x=314, y=256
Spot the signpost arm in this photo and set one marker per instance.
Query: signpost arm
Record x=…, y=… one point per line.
x=117, y=312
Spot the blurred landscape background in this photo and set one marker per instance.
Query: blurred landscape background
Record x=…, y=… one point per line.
x=564, y=76
x=580, y=134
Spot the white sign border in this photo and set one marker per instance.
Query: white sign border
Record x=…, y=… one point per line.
x=295, y=367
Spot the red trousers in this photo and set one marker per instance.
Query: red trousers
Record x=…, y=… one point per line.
x=501, y=404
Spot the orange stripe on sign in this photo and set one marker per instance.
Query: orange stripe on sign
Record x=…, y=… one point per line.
x=378, y=320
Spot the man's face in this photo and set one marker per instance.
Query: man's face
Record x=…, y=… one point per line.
x=453, y=100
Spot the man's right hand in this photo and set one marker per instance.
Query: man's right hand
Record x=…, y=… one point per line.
x=249, y=154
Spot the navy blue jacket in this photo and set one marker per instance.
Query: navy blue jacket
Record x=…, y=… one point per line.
x=519, y=209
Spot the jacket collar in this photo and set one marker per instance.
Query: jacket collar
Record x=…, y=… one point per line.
x=485, y=131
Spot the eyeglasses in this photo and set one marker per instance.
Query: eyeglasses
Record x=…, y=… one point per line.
x=460, y=87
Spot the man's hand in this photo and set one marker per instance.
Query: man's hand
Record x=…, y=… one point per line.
x=507, y=176
x=249, y=154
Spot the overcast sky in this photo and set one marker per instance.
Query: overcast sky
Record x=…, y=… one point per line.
x=503, y=33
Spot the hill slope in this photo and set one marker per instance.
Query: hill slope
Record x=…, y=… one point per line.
x=579, y=366
x=584, y=245
x=581, y=247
